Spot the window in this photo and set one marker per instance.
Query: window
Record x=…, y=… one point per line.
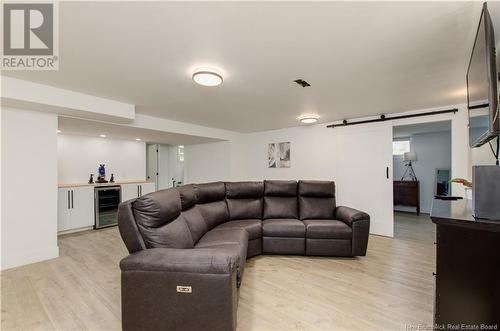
x=399, y=147
x=180, y=153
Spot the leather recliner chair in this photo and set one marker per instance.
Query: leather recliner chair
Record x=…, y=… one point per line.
x=188, y=245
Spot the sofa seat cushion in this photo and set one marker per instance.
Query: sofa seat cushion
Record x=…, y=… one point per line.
x=222, y=237
x=284, y=227
x=327, y=229
x=231, y=241
x=253, y=227
x=239, y=249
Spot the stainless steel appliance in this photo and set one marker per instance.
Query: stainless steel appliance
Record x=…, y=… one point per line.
x=107, y=199
x=486, y=192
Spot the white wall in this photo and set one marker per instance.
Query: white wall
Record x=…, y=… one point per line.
x=433, y=152
x=483, y=155
x=494, y=9
x=79, y=156
x=312, y=152
x=245, y=157
x=29, y=187
x=207, y=162
x=21, y=93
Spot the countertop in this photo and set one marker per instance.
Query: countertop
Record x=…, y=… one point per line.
x=459, y=213
x=121, y=182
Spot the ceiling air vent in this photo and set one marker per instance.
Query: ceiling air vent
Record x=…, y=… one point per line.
x=302, y=82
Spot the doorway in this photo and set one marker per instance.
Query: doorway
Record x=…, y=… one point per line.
x=421, y=170
x=165, y=165
x=152, y=163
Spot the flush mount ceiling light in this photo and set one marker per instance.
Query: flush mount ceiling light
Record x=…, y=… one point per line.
x=207, y=77
x=102, y=135
x=138, y=139
x=308, y=118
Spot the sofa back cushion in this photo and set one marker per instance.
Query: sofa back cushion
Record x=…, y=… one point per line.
x=158, y=218
x=316, y=199
x=244, y=200
x=280, y=199
x=128, y=227
x=212, y=203
x=188, y=196
x=191, y=213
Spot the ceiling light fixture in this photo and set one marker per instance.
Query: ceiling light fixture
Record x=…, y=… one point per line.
x=102, y=135
x=58, y=131
x=138, y=139
x=207, y=77
x=308, y=118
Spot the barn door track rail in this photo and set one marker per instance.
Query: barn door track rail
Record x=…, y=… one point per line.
x=384, y=118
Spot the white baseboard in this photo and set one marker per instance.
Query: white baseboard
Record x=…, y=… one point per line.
x=20, y=258
x=86, y=228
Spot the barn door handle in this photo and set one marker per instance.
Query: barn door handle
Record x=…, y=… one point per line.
x=387, y=172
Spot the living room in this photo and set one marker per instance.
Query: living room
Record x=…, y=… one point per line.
x=231, y=165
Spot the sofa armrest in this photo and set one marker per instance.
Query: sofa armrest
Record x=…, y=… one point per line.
x=350, y=215
x=177, y=289
x=203, y=261
x=360, y=223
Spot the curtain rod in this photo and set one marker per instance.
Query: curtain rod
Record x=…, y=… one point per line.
x=383, y=118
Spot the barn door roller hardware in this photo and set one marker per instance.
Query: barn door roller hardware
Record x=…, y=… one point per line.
x=385, y=118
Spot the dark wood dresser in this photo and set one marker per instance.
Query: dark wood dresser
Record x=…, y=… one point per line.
x=406, y=193
x=467, y=267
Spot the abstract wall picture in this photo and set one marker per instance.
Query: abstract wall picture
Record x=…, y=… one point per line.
x=279, y=155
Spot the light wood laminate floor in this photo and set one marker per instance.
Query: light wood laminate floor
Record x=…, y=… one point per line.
x=388, y=289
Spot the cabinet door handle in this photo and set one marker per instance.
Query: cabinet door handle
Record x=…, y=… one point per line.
x=140, y=189
x=387, y=172
x=69, y=206
x=72, y=205
x=138, y=193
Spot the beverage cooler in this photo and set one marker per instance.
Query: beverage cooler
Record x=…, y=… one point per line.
x=107, y=200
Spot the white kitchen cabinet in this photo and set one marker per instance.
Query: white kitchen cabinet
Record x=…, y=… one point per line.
x=147, y=188
x=64, y=209
x=75, y=208
x=132, y=191
x=129, y=191
x=82, y=207
x=76, y=205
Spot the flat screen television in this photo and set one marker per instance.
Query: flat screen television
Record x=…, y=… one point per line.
x=482, y=93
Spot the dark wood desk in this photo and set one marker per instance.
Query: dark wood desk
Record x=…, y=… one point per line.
x=467, y=288
x=406, y=193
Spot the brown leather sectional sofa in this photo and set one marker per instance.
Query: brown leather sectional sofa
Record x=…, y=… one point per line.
x=188, y=245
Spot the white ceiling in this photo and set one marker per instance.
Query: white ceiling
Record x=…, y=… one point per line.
x=409, y=130
x=69, y=125
x=361, y=58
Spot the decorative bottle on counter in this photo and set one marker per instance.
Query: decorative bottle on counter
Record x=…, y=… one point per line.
x=102, y=174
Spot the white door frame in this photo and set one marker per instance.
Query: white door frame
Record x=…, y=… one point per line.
x=460, y=150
